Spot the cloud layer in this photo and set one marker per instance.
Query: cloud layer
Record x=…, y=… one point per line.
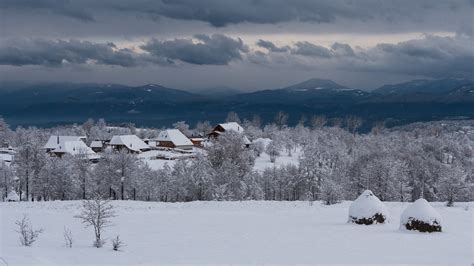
x=54, y=53
x=220, y=13
x=216, y=49
x=363, y=41
x=431, y=56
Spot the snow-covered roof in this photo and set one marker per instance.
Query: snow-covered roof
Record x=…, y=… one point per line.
x=175, y=136
x=132, y=142
x=55, y=141
x=420, y=210
x=232, y=126
x=96, y=144
x=366, y=206
x=6, y=157
x=74, y=147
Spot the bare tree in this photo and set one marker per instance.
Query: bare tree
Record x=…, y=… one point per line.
x=183, y=127
x=353, y=123
x=233, y=117
x=318, y=122
x=256, y=121
x=97, y=213
x=68, y=239
x=28, y=235
x=281, y=118
x=378, y=127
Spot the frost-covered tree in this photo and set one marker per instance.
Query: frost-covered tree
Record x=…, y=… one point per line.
x=183, y=127
x=28, y=163
x=281, y=119
x=318, y=122
x=453, y=183
x=6, y=180
x=202, y=128
x=81, y=169
x=233, y=117
x=231, y=162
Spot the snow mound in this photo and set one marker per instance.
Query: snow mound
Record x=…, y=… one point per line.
x=421, y=216
x=367, y=209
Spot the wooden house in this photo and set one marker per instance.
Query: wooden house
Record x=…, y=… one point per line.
x=173, y=138
x=131, y=143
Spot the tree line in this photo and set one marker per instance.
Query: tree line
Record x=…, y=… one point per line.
x=432, y=160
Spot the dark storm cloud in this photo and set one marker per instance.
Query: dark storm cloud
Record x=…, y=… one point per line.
x=314, y=50
x=309, y=49
x=59, y=7
x=342, y=49
x=431, y=56
x=221, y=13
x=271, y=46
x=216, y=49
x=20, y=52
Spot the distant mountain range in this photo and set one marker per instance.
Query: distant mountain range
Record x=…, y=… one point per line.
x=155, y=105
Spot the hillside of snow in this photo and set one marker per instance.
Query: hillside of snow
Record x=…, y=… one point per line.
x=235, y=232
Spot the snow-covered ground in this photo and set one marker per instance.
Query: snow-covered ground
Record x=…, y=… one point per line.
x=236, y=232
x=263, y=161
x=154, y=158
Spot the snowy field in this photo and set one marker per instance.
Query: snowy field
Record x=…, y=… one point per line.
x=235, y=232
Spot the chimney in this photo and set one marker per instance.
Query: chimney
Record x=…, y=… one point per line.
x=58, y=139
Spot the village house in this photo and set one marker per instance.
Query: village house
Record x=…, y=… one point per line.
x=223, y=127
x=6, y=155
x=73, y=145
x=173, y=138
x=98, y=145
x=55, y=141
x=197, y=141
x=131, y=143
x=230, y=126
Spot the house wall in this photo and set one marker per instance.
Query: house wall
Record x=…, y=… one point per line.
x=167, y=144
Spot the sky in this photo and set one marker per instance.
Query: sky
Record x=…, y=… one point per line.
x=244, y=44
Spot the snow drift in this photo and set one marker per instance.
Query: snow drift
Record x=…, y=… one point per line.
x=367, y=209
x=421, y=216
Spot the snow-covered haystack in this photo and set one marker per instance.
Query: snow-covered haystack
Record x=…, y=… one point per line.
x=12, y=196
x=422, y=217
x=367, y=209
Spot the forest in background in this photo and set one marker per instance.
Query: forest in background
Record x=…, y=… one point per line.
x=433, y=160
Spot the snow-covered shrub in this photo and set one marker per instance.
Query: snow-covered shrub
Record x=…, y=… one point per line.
x=117, y=244
x=367, y=209
x=28, y=235
x=421, y=216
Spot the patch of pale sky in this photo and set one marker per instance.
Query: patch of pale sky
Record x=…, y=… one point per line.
x=327, y=39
